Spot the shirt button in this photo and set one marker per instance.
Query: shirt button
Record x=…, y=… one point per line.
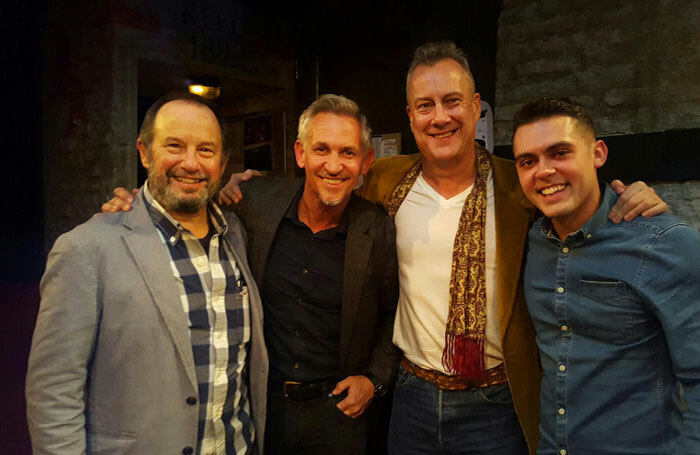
x=560, y=290
x=191, y=401
x=187, y=450
x=562, y=411
x=588, y=236
x=297, y=365
x=562, y=452
x=565, y=250
x=564, y=328
x=562, y=367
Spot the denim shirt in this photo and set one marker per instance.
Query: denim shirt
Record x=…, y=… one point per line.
x=616, y=308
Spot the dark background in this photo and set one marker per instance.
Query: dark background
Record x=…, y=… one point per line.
x=358, y=49
x=21, y=245
x=362, y=51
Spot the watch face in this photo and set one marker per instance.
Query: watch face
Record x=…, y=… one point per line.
x=379, y=390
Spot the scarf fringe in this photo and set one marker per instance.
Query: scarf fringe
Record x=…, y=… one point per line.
x=464, y=356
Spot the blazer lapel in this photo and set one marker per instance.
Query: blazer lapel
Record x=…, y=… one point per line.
x=235, y=241
x=512, y=221
x=237, y=248
x=260, y=240
x=153, y=261
x=358, y=245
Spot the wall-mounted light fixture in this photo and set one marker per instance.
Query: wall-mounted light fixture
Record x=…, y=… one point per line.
x=208, y=89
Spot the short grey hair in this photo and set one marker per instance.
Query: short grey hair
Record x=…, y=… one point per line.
x=431, y=53
x=339, y=105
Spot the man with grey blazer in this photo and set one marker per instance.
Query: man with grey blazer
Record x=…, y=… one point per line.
x=325, y=261
x=149, y=337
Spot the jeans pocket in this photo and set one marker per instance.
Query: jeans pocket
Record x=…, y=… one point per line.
x=403, y=378
x=496, y=394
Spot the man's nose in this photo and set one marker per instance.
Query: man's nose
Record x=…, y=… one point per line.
x=544, y=170
x=440, y=115
x=333, y=163
x=190, y=161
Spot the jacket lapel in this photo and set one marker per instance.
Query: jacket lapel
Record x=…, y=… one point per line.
x=153, y=261
x=237, y=248
x=358, y=245
x=512, y=221
x=260, y=240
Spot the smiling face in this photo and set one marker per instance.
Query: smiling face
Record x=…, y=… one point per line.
x=332, y=159
x=556, y=159
x=184, y=159
x=443, y=110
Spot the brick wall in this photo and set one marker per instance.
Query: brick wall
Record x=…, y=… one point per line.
x=634, y=65
x=82, y=159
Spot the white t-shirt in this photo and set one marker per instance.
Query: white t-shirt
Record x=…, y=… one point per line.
x=426, y=225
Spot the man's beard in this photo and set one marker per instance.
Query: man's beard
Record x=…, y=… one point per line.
x=330, y=202
x=180, y=202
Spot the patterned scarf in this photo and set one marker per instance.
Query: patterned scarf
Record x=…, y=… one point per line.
x=465, y=331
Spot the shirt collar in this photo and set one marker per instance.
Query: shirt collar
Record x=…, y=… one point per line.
x=292, y=214
x=593, y=225
x=170, y=227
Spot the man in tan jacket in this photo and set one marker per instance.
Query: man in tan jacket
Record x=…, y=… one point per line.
x=469, y=380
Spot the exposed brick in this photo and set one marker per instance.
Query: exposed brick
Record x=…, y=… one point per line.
x=682, y=199
x=548, y=67
x=634, y=65
x=615, y=97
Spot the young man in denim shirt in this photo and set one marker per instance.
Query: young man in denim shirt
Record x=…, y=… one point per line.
x=616, y=307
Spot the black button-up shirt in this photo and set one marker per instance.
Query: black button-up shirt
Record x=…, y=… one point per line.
x=302, y=295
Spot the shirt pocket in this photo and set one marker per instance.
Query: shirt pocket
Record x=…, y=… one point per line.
x=236, y=317
x=603, y=311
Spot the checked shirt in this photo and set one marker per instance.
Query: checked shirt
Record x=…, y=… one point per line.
x=215, y=299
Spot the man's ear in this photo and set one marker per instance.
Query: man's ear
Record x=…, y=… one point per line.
x=367, y=161
x=476, y=100
x=299, y=153
x=143, y=152
x=600, y=154
x=224, y=162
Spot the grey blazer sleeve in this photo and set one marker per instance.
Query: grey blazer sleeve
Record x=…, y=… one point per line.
x=63, y=341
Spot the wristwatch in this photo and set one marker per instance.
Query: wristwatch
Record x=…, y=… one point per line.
x=379, y=389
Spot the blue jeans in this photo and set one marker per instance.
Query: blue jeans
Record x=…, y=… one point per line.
x=429, y=420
